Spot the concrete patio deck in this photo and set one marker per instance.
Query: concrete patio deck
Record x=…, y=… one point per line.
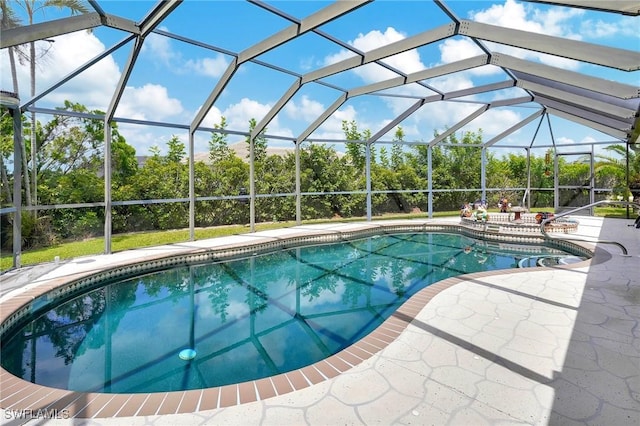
x=537, y=346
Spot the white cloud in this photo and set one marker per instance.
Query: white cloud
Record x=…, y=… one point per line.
x=407, y=62
x=239, y=114
x=142, y=138
x=92, y=88
x=495, y=121
x=599, y=29
x=212, y=118
x=209, y=67
x=452, y=82
x=555, y=22
x=453, y=50
x=624, y=27
x=332, y=127
x=433, y=116
x=159, y=48
x=150, y=101
x=515, y=15
x=442, y=115
x=307, y=109
x=162, y=50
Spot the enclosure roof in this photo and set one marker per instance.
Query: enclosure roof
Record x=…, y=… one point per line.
x=546, y=74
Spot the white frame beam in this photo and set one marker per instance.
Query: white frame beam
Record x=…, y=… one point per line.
x=626, y=60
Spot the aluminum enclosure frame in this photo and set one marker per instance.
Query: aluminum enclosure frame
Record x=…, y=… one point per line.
x=607, y=106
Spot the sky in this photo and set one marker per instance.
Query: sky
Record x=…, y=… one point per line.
x=172, y=79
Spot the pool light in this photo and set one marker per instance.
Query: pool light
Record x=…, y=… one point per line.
x=187, y=354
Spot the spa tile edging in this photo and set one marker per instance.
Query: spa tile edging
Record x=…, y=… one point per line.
x=20, y=395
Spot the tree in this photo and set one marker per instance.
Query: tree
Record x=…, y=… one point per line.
x=322, y=170
x=401, y=175
x=31, y=7
x=226, y=175
x=457, y=166
x=163, y=178
x=611, y=170
x=356, y=150
x=505, y=173
x=71, y=170
x=277, y=177
x=259, y=143
x=396, y=149
x=10, y=20
x=176, y=150
x=218, y=144
x=71, y=142
x=6, y=151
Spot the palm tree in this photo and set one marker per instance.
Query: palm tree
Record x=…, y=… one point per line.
x=31, y=7
x=615, y=167
x=10, y=20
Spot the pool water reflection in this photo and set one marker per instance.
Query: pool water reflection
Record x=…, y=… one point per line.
x=208, y=325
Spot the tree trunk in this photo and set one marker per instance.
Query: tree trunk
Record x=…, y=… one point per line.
x=34, y=144
x=5, y=181
x=22, y=153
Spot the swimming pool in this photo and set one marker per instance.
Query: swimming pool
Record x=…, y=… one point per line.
x=243, y=319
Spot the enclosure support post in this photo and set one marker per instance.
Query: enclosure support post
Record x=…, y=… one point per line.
x=592, y=179
x=483, y=173
x=252, y=186
x=17, y=186
x=107, y=185
x=429, y=182
x=556, y=182
x=526, y=200
x=628, y=180
x=298, y=185
x=368, y=177
x=192, y=188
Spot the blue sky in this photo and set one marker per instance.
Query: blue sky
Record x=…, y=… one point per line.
x=172, y=79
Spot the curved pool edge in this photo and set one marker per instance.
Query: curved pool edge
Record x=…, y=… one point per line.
x=20, y=395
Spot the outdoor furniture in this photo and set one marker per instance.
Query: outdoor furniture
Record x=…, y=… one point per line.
x=517, y=210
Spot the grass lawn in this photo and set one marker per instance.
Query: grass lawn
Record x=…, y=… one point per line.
x=121, y=242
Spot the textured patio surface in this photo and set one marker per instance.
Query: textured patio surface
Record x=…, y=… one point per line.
x=544, y=346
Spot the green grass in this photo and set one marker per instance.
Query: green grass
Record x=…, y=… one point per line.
x=121, y=242
x=614, y=212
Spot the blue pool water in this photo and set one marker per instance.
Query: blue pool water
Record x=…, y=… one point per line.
x=214, y=324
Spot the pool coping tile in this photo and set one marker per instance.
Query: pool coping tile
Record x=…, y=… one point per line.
x=111, y=408
x=281, y=384
x=132, y=405
x=247, y=392
x=228, y=395
x=152, y=404
x=190, y=401
x=327, y=369
x=312, y=375
x=297, y=379
x=209, y=399
x=265, y=388
x=171, y=403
